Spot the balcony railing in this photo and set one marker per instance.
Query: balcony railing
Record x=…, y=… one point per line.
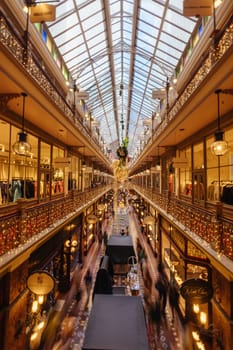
x=26, y=222
x=204, y=226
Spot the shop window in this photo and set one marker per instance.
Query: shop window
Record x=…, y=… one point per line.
x=45, y=155
x=186, y=174
x=73, y=174
x=23, y=170
x=198, y=186
x=45, y=170
x=58, y=171
x=198, y=156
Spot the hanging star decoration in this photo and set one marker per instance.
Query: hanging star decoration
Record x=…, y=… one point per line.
x=120, y=164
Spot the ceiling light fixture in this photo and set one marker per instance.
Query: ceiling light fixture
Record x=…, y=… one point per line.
x=22, y=147
x=219, y=147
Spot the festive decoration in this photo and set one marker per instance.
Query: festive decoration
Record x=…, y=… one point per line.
x=120, y=165
x=122, y=151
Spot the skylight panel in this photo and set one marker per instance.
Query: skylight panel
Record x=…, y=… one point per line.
x=81, y=57
x=67, y=35
x=67, y=46
x=97, y=49
x=175, y=31
x=77, y=51
x=153, y=7
x=180, y=20
x=149, y=17
x=171, y=40
x=100, y=37
x=115, y=26
x=90, y=32
x=148, y=28
x=63, y=24
x=169, y=49
x=64, y=8
x=166, y=58
x=145, y=46
x=145, y=37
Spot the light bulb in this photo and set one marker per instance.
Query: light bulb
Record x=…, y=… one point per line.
x=35, y=306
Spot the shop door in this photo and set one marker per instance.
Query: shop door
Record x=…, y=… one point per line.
x=198, y=186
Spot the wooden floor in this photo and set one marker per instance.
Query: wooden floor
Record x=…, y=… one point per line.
x=70, y=330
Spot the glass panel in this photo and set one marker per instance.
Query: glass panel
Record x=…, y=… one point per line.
x=45, y=166
x=4, y=162
x=80, y=35
x=58, y=171
x=198, y=156
x=45, y=155
x=212, y=184
x=186, y=174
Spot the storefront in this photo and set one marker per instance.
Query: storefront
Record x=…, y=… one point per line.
x=206, y=177
x=43, y=172
x=186, y=262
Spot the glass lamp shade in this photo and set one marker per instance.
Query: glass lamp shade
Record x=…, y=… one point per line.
x=219, y=147
x=22, y=147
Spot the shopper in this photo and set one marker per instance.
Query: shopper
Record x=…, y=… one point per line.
x=162, y=285
x=100, y=237
x=155, y=318
x=173, y=298
x=88, y=283
x=105, y=238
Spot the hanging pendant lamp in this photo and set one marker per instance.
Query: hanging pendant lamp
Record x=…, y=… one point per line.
x=21, y=146
x=219, y=147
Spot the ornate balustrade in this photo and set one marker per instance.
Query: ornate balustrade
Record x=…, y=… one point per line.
x=27, y=221
x=206, y=224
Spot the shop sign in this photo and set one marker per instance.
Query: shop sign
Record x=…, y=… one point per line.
x=196, y=291
x=40, y=282
x=43, y=13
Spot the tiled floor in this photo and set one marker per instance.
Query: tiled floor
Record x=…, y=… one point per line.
x=70, y=334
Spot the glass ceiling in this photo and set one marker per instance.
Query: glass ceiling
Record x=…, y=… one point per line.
x=119, y=51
